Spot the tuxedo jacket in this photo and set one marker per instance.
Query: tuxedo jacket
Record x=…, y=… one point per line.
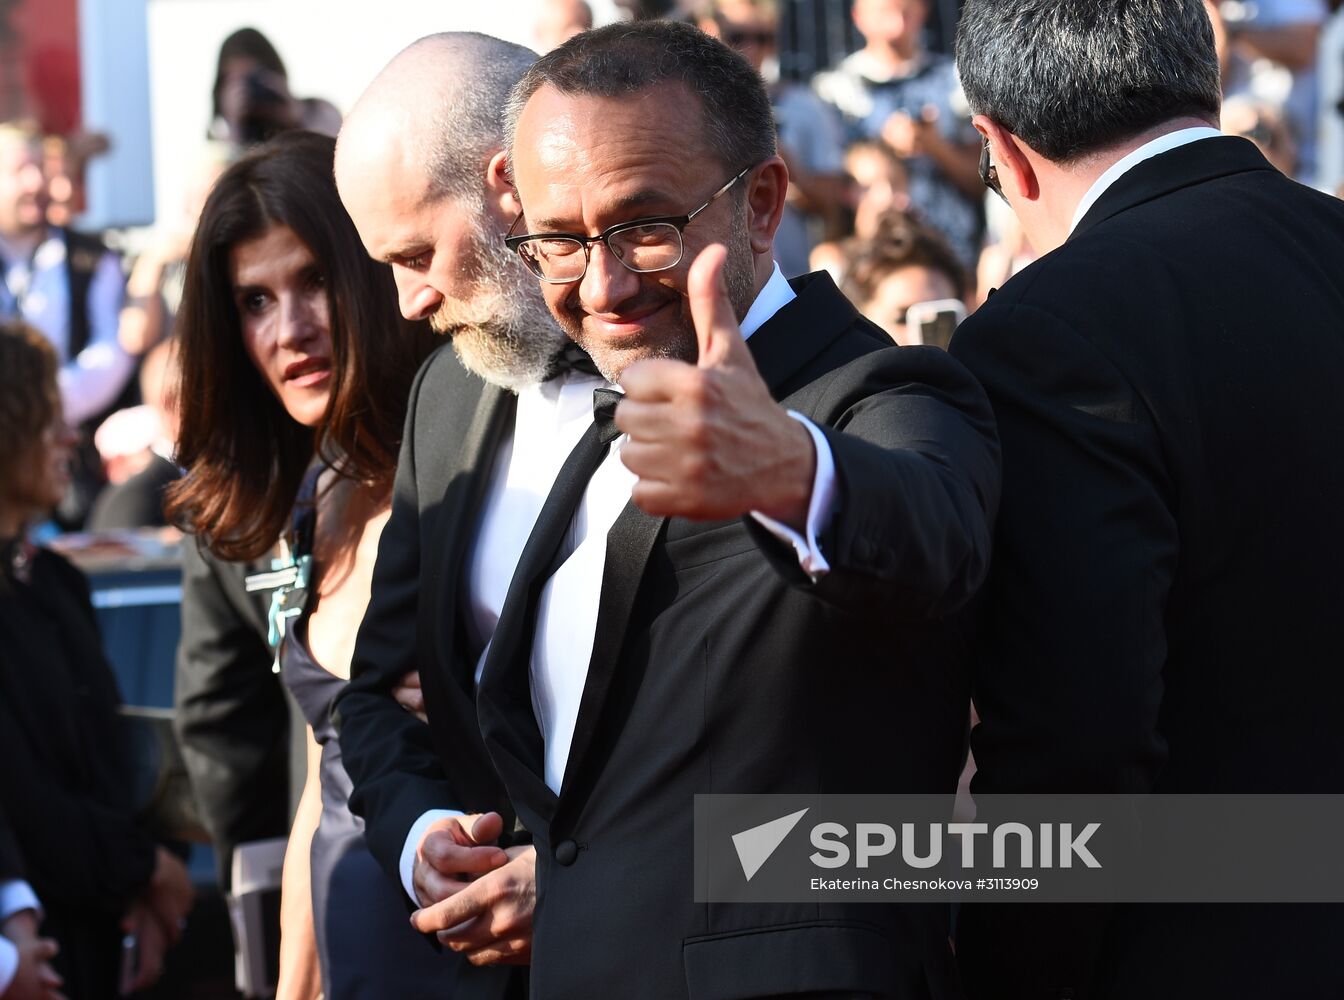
x=400, y=768
x=231, y=716
x=1163, y=609
x=65, y=781
x=719, y=667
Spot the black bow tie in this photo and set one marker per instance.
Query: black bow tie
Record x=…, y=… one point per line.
x=572, y=358
x=604, y=413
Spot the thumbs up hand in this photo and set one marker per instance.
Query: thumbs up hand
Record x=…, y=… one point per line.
x=708, y=441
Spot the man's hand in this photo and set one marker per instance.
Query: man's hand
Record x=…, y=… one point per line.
x=490, y=920
x=708, y=441
x=170, y=894
x=454, y=851
x=409, y=695
x=910, y=136
x=35, y=979
x=151, y=946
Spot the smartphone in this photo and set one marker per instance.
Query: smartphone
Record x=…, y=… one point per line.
x=933, y=322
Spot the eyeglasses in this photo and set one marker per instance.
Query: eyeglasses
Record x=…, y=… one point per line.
x=643, y=245
x=989, y=173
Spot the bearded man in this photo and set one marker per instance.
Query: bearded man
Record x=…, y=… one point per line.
x=420, y=168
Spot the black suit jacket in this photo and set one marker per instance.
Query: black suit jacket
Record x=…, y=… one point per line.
x=719, y=668
x=1164, y=602
x=65, y=779
x=231, y=717
x=400, y=767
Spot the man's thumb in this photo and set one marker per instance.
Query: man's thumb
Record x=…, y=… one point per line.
x=716, y=327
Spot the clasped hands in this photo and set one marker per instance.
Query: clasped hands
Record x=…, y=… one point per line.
x=157, y=917
x=707, y=440
x=476, y=896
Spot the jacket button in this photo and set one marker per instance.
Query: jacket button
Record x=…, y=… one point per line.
x=566, y=852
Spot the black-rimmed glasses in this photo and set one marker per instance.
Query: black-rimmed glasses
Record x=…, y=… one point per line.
x=642, y=245
x=989, y=173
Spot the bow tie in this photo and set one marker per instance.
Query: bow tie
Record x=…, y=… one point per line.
x=572, y=358
x=604, y=413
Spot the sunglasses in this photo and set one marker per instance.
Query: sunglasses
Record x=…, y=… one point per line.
x=989, y=173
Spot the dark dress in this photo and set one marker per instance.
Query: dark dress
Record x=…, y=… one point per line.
x=65, y=779
x=365, y=943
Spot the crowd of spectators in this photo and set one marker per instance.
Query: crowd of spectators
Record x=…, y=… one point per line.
x=881, y=154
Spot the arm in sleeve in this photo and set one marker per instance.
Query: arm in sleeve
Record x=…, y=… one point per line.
x=231, y=717
x=92, y=380
x=1068, y=666
x=916, y=487
x=389, y=753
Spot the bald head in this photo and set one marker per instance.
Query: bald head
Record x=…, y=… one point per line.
x=421, y=170
x=439, y=104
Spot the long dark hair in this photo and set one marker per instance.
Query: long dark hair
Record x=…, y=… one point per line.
x=244, y=455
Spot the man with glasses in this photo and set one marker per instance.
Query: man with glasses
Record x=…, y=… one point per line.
x=1163, y=611
x=755, y=579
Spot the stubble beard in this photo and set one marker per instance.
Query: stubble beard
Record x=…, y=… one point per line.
x=504, y=333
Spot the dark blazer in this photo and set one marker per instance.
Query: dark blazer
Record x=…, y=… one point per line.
x=64, y=784
x=401, y=768
x=231, y=715
x=1163, y=610
x=719, y=668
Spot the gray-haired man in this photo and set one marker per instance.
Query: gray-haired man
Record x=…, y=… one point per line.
x=1162, y=612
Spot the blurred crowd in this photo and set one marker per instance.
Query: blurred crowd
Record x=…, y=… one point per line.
x=885, y=193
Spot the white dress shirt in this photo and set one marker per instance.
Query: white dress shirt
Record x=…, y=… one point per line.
x=1162, y=144
x=15, y=896
x=549, y=422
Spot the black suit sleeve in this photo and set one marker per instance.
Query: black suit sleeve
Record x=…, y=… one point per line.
x=231, y=716
x=1068, y=669
x=917, y=476
x=389, y=753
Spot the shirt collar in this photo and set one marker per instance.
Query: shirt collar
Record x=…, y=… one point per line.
x=1162, y=144
x=771, y=299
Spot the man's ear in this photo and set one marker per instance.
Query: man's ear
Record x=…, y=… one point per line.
x=500, y=198
x=1017, y=176
x=767, y=189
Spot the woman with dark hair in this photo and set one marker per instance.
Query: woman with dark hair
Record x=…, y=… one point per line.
x=295, y=372
x=64, y=764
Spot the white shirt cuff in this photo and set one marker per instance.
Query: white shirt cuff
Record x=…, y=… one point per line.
x=418, y=828
x=9, y=963
x=819, y=509
x=15, y=896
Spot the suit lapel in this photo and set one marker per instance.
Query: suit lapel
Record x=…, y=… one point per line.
x=458, y=515
x=1194, y=163
x=782, y=348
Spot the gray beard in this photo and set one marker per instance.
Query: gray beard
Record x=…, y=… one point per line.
x=504, y=333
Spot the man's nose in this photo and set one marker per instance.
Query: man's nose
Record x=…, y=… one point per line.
x=607, y=283
x=32, y=179
x=416, y=297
